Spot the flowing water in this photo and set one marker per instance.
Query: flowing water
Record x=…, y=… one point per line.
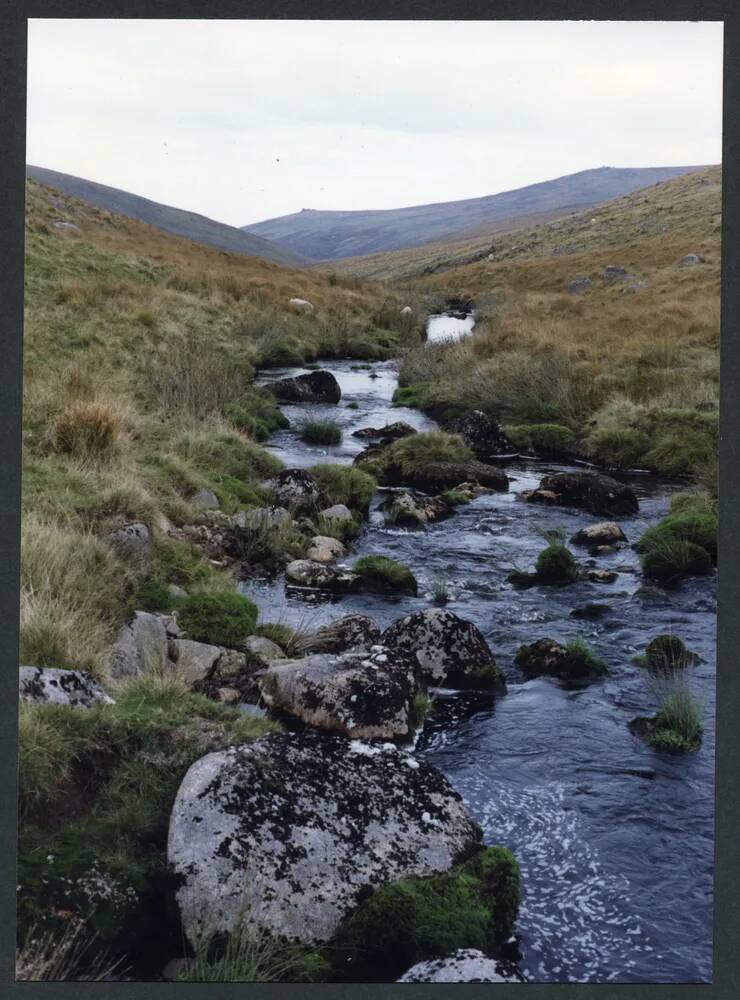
x=614, y=840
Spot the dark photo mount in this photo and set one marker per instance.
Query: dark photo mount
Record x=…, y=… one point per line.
x=726, y=965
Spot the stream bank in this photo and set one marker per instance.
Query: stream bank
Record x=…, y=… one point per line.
x=614, y=840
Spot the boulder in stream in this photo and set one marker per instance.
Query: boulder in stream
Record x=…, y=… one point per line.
x=319, y=576
x=288, y=832
x=363, y=694
x=438, y=476
x=312, y=387
x=448, y=650
x=296, y=490
x=391, y=432
x=412, y=509
x=604, y=533
x=348, y=632
x=549, y=658
x=588, y=490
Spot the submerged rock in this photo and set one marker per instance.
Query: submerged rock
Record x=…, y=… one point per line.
x=589, y=490
x=312, y=387
x=348, y=632
x=447, y=649
x=467, y=965
x=60, y=687
x=364, y=694
x=254, y=834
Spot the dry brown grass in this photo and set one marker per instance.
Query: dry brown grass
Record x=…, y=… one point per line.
x=85, y=429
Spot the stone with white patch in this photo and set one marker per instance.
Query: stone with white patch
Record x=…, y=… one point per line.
x=289, y=831
x=467, y=965
x=447, y=649
x=45, y=685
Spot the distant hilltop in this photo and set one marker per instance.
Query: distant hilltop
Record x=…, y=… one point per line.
x=332, y=235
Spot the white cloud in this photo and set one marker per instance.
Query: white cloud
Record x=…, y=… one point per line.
x=250, y=119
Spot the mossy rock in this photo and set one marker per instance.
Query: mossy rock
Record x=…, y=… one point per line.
x=345, y=484
x=386, y=576
x=667, y=652
x=473, y=905
x=219, y=619
x=693, y=525
x=541, y=438
x=557, y=565
x=664, y=738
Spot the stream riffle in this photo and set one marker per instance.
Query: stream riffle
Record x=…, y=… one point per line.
x=614, y=840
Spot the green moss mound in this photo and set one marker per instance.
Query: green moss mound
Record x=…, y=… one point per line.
x=692, y=525
x=556, y=564
x=583, y=662
x=258, y=415
x=320, y=432
x=623, y=448
x=540, y=437
x=667, y=652
x=383, y=575
x=674, y=559
x=345, y=484
x=474, y=905
x=220, y=619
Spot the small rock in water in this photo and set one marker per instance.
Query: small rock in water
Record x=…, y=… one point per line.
x=590, y=612
x=466, y=965
x=602, y=575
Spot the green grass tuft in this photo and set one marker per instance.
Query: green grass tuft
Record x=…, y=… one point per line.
x=320, y=432
x=383, y=575
x=220, y=619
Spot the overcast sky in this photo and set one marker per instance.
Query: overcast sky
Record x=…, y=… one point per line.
x=246, y=120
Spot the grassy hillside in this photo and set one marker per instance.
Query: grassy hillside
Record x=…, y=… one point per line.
x=331, y=235
x=189, y=225
x=689, y=205
x=140, y=353
x=629, y=368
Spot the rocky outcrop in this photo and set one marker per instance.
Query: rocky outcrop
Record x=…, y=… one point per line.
x=349, y=632
x=691, y=260
x=60, y=687
x=270, y=518
x=467, y=965
x=312, y=387
x=338, y=514
x=580, y=285
x=587, y=490
x=614, y=274
x=391, y=432
x=234, y=676
x=205, y=500
x=193, y=660
x=604, y=533
x=132, y=540
x=363, y=694
x=447, y=650
x=141, y=646
x=254, y=834
x=411, y=509
x=481, y=432
x=297, y=491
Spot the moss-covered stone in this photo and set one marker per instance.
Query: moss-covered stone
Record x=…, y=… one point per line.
x=474, y=905
x=219, y=619
x=667, y=652
x=557, y=564
x=692, y=525
x=383, y=575
x=675, y=558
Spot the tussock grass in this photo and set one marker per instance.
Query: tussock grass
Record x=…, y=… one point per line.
x=63, y=955
x=320, y=432
x=678, y=725
x=85, y=429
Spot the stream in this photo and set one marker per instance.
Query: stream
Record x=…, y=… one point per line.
x=614, y=840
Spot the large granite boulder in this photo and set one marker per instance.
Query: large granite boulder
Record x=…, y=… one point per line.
x=588, y=490
x=467, y=965
x=313, y=387
x=320, y=576
x=448, y=650
x=364, y=694
x=604, y=533
x=437, y=476
x=348, y=632
x=288, y=832
x=61, y=687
